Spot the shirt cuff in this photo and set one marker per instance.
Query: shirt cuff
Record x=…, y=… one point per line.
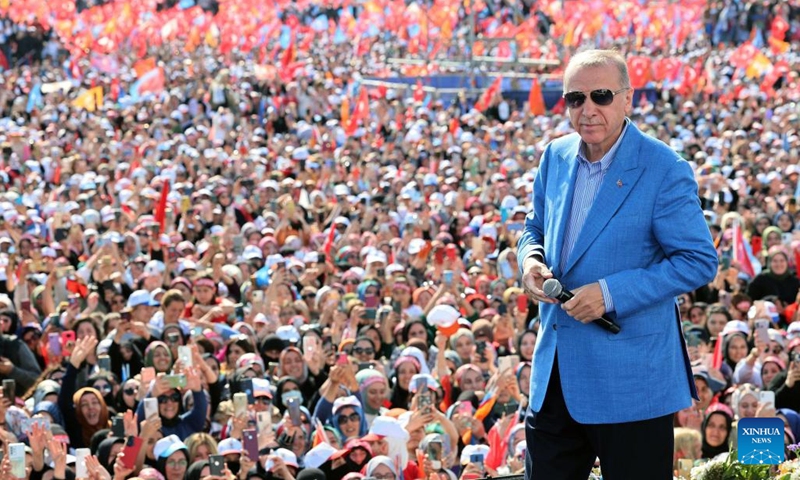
x=606, y=296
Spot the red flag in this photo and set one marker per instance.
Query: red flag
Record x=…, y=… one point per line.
x=161, y=208
x=288, y=54
x=743, y=56
x=329, y=241
x=778, y=28
x=486, y=98
x=535, y=98
x=419, y=93
x=639, y=71
x=560, y=107
x=76, y=287
x=453, y=126
x=3, y=61
x=740, y=252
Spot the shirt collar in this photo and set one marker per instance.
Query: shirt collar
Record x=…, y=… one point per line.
x=605, y=162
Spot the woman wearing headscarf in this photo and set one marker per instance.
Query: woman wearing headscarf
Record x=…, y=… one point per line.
x=292, y=364
x=716, y=431
x=174, y=419
x=158, y=356
x=405, y=367
x=172, y=458
x=84, y=411
x=777, y=280
x=373, y=387
x=381, y=467
x=198, y=470
x=791, y=421
x=286, y=388
x=108, y=450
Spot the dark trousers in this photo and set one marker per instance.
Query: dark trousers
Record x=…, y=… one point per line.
x=559, y=448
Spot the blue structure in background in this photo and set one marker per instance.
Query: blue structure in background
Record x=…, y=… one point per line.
x=513, y=89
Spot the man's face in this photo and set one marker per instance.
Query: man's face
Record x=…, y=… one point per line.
x=598, y=125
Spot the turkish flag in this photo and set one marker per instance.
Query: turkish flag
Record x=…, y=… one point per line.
x=743, y=56
x=639, y=71
x=778, y=28
x=419, y=93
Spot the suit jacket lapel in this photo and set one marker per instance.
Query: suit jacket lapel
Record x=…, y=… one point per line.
x=567, y=172
x=617, y=185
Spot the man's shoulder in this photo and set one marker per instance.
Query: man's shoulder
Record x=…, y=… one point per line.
x=565, y=143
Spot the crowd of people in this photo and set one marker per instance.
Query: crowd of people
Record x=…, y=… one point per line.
x=316, y=279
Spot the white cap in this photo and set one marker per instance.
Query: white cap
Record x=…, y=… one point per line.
x=349, y=401
x=471, y=450
x=167, y=446
x=319, y=455
x=288, y=457
x=288, y=333
x=229, y=445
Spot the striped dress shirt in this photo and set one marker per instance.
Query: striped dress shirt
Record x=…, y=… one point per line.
x=587, y=183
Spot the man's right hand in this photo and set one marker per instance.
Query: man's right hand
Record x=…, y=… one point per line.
x=533, y=276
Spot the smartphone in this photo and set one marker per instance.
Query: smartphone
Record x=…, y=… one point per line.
x=508, y=362
x=438, y=256
x=322, y=259
x=380, y=273
x=118, y=427
x=61, y=234
x=450, y=251
x=216, y=464
x=238, y=244
x=250, y=442
x=80, y=462
x=364, y=366
x=148, y=375
x=239, y=312
x=762, y=329
x=502, y=309
x=176, y=381
x=522, y=303
x=258, y=296
x=125, y=315
x=10, y=389
x=685, y=466
x=480, y=349
x=239, y=404
x=294, y=412
x=371, y=301
x=72, y=301
x=447, y=277
x=264, y=421
x=477, y=460
x=397, y=307
x=273, y=369
x=424, y=401
x=25, y=305
x=435, y=454
x=309, y=344
x=150, y=407
x=16, y=453
x=68, y=340
x=767, y=397
x=131, y=450
x=54, y=343
x=185, y=355
x=104, y=363
x=246, y=386
x=465, y=409
x=341, y=359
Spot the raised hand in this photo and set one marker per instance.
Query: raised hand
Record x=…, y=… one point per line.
x=83, y=348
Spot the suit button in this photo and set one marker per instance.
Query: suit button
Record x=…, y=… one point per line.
x=555, y=326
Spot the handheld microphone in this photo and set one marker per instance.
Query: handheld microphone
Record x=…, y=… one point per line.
x=553, y=289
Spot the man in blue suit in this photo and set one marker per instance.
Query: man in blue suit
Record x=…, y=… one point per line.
x=616, y=219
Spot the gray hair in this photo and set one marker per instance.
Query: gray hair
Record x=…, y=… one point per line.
x=598, y=58
x=462, y=332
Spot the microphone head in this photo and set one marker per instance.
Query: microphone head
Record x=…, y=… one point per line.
x=552, y=288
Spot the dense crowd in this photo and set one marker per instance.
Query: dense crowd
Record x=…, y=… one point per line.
x=318, y=279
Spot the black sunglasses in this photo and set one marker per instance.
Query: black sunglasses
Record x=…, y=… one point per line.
x=365, y=351
x=353, y=417
x=175, y=397
x=131, y=391
x=602, y=97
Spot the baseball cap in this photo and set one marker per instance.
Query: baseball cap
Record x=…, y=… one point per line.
x=702, y=372
x=229, y=445
x=349, y=401
x=168, y=445
x=141, y=297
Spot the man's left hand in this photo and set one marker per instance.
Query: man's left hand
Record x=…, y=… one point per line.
x=587, y=305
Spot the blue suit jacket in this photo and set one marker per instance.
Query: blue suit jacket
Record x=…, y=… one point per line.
x=646, y=236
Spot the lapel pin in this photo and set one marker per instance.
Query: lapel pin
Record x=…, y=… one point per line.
x=619, y=183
